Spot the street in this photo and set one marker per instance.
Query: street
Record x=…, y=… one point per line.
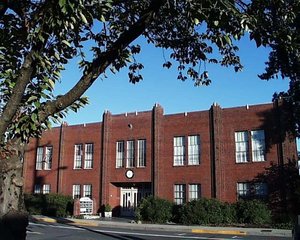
x=46, y=231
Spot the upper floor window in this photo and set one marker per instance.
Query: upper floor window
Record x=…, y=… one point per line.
x=256, y=145
x=77, y=156
x=87, y=156
x=141, y=155
x=120, y=154
x=179, y=151
x=130, y=154
x=44, y=158
x=193, y=150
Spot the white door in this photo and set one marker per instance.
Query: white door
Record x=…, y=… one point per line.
x=128, y=201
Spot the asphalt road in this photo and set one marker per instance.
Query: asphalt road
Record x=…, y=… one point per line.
x=47, y=231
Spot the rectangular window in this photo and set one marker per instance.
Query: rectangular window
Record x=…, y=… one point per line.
x=243, y=190
x=120, y=154
x=39, y=158
x=37, y=189
x=241, y=147
x=260, y=189
x=141, y=154
x=48, y=158
x=179, y=151
x=179, y=194
x=258, y=145
x=89, y=154
x=87, y=191
x=193, y=150
x=76, y=191
x=130, y=154
x=46, y=188
x=194, y=191
x=77, y=156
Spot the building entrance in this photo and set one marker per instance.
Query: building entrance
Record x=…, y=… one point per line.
x=130, y=197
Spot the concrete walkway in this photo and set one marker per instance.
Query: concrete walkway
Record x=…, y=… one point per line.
x=130, y=224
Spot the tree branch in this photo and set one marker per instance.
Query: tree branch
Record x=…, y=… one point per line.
x=100, y=63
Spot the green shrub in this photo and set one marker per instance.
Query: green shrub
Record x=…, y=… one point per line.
x=55, y=205
x=206, y=211
x=253, y=212
x=154, y=210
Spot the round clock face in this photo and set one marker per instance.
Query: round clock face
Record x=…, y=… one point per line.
x=129, y=174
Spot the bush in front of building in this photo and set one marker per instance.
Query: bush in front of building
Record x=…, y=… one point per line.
x=154, y=210
x=207, y=211
x=52, y=204
x=253, y=212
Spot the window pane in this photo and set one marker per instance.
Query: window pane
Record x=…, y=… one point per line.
x=241, y=147
x=243, y=190
x=179, y=151
x=194, y=191
x=48, y=158
x=37, y=189
x=120, y=154
x=141, y=153
x=179, y=194
x=87, y=191
x=76, y=191
x=39, y=158
x=258, y=145
x=193, y=150
x=77, y=156
x=46, y=188
x=130, y=154
x=260, y=189
x=89, y=153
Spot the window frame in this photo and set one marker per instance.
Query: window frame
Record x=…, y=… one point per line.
x=78, y=157
x=87, y=191
x=120, y=154
x=196, y=191
x=141, y=153
x=88, y=155
x=258, y=155
x=76, y=191
x=179, y=151
x=130, y=154
x=194, y=150
x=179, y=194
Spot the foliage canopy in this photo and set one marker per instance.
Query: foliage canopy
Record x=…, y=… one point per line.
x=38, y=38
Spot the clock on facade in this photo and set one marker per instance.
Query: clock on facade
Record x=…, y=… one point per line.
x=129, y=174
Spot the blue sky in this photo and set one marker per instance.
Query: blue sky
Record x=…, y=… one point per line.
x=160, y=85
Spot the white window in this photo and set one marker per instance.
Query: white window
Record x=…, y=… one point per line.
x=241, y=147
x=48, y=158
x=193, y=150
x=243, y=190
x=130, y=154
x=77, y=156
x=39, y=158
x=258, y=145
x=179, y=151
x=37, y=189
x=120, y=154
x=194, y=191
x=88, y=157
x=179, y=194
x=76, y=191
x=87, y=191
x=141, y=154
x=46, y=188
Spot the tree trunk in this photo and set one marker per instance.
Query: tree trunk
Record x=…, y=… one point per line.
x=13, y=217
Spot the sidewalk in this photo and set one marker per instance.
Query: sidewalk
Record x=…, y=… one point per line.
x=130, y=224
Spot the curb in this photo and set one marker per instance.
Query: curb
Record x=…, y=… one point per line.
x=73, y=222
x=225, y=232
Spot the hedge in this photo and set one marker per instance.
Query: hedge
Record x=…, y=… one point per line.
x=52, y=204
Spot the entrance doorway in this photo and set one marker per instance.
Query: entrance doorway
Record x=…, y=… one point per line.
x=130, y=198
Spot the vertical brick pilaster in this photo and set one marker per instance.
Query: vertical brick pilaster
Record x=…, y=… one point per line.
x=104, y=184
x=217, y=170
x=157, y=128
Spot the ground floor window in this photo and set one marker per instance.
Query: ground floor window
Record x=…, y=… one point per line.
x=179, y=194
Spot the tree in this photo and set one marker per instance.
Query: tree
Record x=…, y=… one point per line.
x=38, y=38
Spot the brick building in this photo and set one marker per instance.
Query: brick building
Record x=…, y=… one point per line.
x=214, y=153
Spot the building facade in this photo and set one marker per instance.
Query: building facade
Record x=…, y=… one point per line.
x=217, y=153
